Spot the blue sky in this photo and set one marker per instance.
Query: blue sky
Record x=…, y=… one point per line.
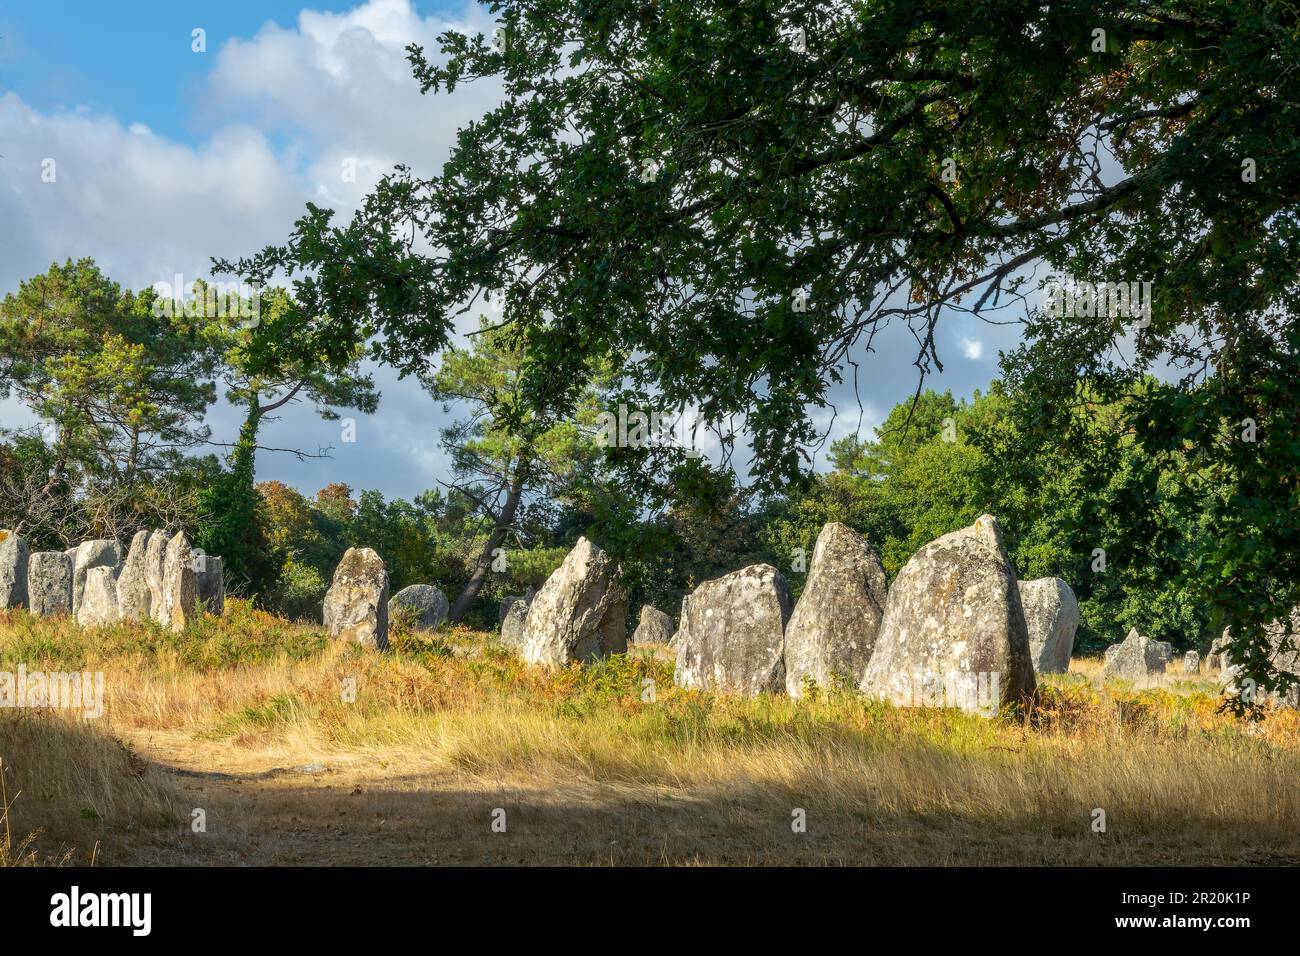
x=167, y=157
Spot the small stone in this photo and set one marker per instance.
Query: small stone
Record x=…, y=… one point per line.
x=428, y=604
x=99, y=553
x=655, y=627
x=1192, y=663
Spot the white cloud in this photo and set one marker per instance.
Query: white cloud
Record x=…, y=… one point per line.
x=973, y=349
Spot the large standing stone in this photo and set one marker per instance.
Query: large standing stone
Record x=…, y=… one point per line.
x=100, y=553
x=356, y=605
x=834, y=626
x=654, y=627
x=98, y=597
x=954, y=630
x=1138, y=659
x=210, y=581
x=428, y=603
x=134, y=602
x=49, y=583
x=1051, y=617
x=514, y=619
x=13, y=570
x=580, y=614
x=180, y=586
x=732, y=633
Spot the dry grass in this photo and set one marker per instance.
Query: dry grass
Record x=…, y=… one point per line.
x=443, y=732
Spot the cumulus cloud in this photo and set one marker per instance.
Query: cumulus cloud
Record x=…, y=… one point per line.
x=973, y=349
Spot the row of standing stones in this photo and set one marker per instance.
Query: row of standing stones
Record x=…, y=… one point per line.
x=161, y=579
x=957, y=627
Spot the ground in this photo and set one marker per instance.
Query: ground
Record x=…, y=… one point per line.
x=447, y=751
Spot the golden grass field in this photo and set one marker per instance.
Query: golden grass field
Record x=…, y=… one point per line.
x=244, y=718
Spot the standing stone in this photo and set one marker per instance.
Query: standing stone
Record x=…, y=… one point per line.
x=1137, y=659
x=99, y=553
x=134, y=602
x=1051, y=617
x=210, y=582
x=13, y=570
x=98, y=597
x=732, y=633
x=1192, y=663
x=356, y=605
x=428, y=602
x=654, y=627
x=510, y=599
x=155, y=558
x=954, y=632
x=1287, y=660
x=580, y=614
x=180, y=587
x=512, y=625
x=49, y=583
x=834, y=626
x=675, y=641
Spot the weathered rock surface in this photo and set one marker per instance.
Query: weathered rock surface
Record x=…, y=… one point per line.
x=1051, y=617
x=1286, y=660
x=154, y=559
x=833, y=629
x=654, y=627
x=512, y=623
x=13, y=570
x=1136, y=658
x=100, y=553
x=210, y=581
x=180, y=592
x=427, y=602
x=98, y=597
x=732, y=633
x=510, y=599
x=1191, y=663
x=580, y=614
x=954, y=631
x=134, y=602
x=49, y=583
x=356, y=605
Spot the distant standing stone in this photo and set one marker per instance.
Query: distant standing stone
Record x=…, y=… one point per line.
x=99, y=553
x=510, y=599
x=512, y=623
x=1051, y=617
x=98, y=598
x=13, y=570
x=154, y=560
x=210, y=580
x=134, y=601
x=356, y=605
x=49, y=583
x=429, y=603
x=654, y=627
x=732, y=635
x=1138, y=659
x=1192, y=663
x=180, y=585
x=833, y=629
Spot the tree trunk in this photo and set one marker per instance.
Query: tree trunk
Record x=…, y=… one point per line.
x=484, y=564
